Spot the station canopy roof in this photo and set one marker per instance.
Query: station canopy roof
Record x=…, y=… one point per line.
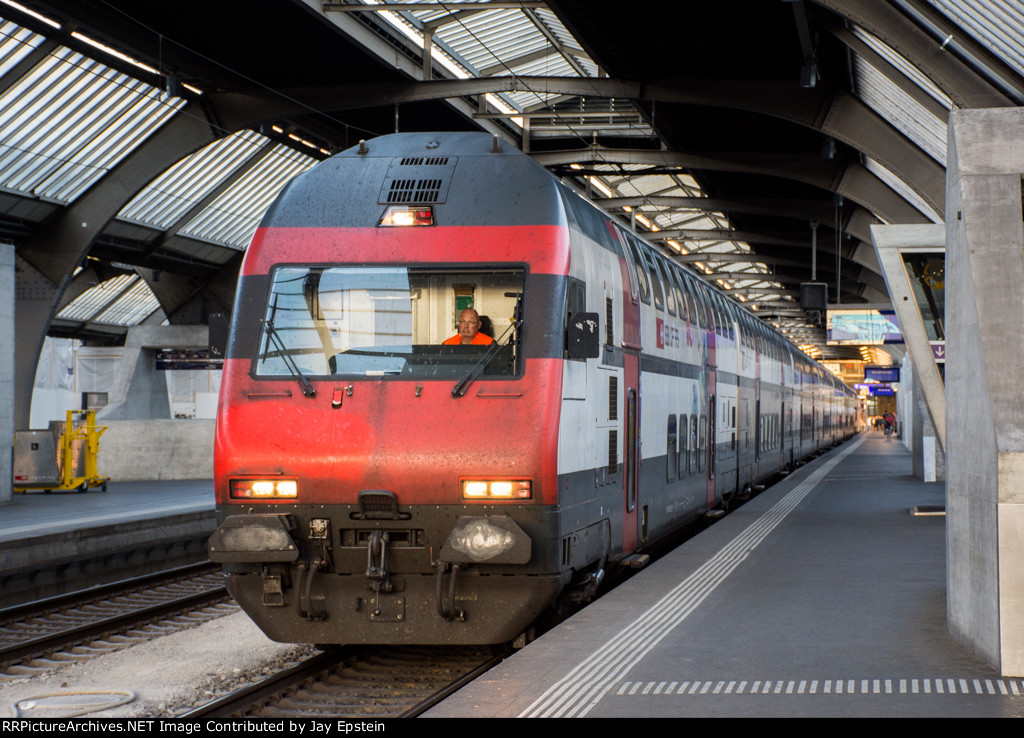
x=737, y=134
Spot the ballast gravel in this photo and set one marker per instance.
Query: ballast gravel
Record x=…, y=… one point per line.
x=169, y=675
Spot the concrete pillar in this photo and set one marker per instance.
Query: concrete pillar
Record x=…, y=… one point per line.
x=929, y=462
x=893, y=243
x=140, y=391
x=6, y=372
x=984, y=391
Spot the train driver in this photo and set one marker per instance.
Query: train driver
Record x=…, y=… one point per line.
x=469, y=331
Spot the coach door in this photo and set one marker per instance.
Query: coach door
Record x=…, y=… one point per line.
x=711, y=432
x=636, y=290
x=631, y=460
x=712, y=426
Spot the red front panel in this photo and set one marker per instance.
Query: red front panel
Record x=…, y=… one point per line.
x=543, y=248
x=385, y=437
x=409, y=436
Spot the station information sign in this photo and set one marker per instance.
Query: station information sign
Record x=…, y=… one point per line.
x=882, y=373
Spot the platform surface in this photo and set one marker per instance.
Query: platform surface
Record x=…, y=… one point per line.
x=822, y=597
x=37, y=513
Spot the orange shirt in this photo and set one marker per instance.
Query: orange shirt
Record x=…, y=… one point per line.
x=478, y=340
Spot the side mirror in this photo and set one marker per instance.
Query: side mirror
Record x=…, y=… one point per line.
x=218, y=336
x=582, y=338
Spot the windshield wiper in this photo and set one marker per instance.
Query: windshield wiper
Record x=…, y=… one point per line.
x=286, y=357
x=462, y=386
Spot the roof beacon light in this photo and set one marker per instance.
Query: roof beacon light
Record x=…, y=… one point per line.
x=408, y=215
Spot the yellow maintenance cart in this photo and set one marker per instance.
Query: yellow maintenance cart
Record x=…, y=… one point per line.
x=62, y=458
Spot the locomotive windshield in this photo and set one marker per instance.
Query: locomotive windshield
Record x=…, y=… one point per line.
x=391, y=321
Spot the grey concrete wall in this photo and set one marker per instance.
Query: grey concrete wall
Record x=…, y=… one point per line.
x=984, y=391
x=6, y=371
x=140, y=391
x=141, y=450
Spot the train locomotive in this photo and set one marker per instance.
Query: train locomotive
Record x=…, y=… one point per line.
x=376, y=484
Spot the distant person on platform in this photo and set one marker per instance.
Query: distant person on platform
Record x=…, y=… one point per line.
x=469, y=331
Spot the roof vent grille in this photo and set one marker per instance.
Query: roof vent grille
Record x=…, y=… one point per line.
x=425, y=161
x=414, y=190
x=417, y=180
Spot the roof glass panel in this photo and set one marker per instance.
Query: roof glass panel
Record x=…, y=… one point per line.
x=497, y=41
x=232, y=218
x=487, y=38
x=15, y=44
x=131, y=308
x=94, y=300
x=896, y=59
x=168, y=197
x=901, y=110
x=998, y=24
x=69, y=121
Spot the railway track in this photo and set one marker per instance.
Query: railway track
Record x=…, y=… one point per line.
x=40, y=635
x=358, y=682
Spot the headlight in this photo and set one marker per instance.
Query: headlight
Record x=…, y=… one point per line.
x=497, y=489
x=407, y=215
x=493, y=539
x=479, y=540
x=264, y=489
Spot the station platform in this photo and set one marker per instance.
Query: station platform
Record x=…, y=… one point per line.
x=824, y=596
x=37, y=512
x=132, y=528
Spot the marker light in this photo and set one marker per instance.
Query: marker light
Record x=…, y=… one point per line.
x=408, y=215
x=497, y=489
x=264, y=489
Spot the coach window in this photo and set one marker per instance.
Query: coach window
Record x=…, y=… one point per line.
x=633, y=246
x=576, y=302
x=726, y=317
x=702, y=441
x=609, y=321
x=684, y=446
x=716, y=307
x=697, y=308
x=634, y=287
x=684, y=310
x=705, y=306
x=723, y=319
x=671, y=458
x=659, y=296
x=692, y=464
x=670, y=299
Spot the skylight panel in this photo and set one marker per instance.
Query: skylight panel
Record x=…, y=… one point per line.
x=131, y=308
x=905, y=67
x=168, y=197
x=997, y=24
x=95, y=299
x=901, y=110
x=15, y=44
x=65, y=124
x=233, y=217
